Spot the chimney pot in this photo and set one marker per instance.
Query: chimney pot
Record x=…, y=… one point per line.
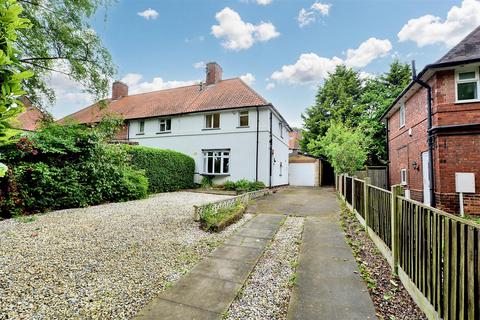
x=119, y=89
x=214, y=73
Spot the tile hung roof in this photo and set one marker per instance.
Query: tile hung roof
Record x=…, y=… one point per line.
x=467, y=49
x=225, y=94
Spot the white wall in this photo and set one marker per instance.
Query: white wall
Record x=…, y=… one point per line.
x=189, y=137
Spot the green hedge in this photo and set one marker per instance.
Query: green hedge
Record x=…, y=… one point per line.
x=166, y=170
x=66, y=166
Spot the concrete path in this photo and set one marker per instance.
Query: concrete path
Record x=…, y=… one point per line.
x=329, y=285
x=209, y=288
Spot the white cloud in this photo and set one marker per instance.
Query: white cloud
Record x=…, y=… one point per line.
x=310, y=67
x=248, y=78
x=367, y=52
x=264, y=2
x=133, y=80
x=429, y=29
x=270, y=86
x=238, y=34
x=149, y=14
x=199, y=65
x=307, y=16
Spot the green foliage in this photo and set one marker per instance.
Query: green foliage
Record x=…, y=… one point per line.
x=12, y=73
x=62, y=40
x=357, y=103
x=207, y=182
x=211, y=219
x=244, y=185
x=345, y=148
x=166, y=170
x=64, y=167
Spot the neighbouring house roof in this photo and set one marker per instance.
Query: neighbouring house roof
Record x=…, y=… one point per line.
x=30, y=118
x=466, y=51
x=225, y=94
x=294, y=141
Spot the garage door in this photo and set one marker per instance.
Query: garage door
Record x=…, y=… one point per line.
x=301, y=174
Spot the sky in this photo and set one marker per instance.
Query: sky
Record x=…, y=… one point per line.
x=283, y=48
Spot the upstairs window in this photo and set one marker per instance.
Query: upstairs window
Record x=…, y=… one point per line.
x=216, y=162
x=281, y=129
x=141, y=127
x=467, y=86
x=165, y=125
x=243, y=118
x=402, y=116
x=212, y=121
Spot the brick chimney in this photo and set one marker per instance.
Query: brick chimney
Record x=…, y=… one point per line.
x=214, y=73
x=119, y=89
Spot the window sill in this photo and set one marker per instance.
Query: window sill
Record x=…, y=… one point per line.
x=215, y=174
x=401, y=127
x=467, y=101
x=209, y=129
x=140, y=134
x=164, y=132
x=243, y=127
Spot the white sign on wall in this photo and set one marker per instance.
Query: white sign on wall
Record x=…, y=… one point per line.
x=465, y=182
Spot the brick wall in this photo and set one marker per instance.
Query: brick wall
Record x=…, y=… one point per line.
x=450, y=202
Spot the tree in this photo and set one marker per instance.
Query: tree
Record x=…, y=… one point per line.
x=378, y=94
x=345, y=148
x=337, y=100
x=61, y=40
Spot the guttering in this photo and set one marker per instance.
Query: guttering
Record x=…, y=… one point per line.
x=270, y=149
x=256, y=150
x=429, y=133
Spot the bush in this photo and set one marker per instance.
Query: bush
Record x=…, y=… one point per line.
x=65, y=167
x=166, y=170
x=244, y=185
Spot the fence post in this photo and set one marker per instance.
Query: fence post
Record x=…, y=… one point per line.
x=366, y=182
x=397, y=190
x=353, y=193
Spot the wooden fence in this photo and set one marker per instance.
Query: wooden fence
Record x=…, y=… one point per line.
x=436, y=254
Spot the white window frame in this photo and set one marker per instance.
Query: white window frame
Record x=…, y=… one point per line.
x=140, y=130
x=458, y=81
x=243, y=114
x=402, y=115
x=164, y=121
x=212, y=122
x=212, y=154
x=403, y=177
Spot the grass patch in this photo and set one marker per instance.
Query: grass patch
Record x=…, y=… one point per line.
x=218, y=219
x=26, y=219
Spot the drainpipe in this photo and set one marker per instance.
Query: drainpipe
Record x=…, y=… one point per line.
x=429, y=133
x=270, y=149
x=256, y=151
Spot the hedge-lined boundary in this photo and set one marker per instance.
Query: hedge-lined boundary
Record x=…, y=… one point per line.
x=166, y=170
x=216, y=205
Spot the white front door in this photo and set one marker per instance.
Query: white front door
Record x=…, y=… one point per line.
x=426, y=178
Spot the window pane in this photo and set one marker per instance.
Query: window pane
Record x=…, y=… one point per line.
x=218, y=161
x=169, y=124
x=208, y=121
x=244, y=118
x=162, y=127
x=216, y=120
x=210, y=165
x=467, y=91
x=142, y=126
x=466, y=75
x=226, y=164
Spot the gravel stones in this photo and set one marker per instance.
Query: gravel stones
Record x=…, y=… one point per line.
x=103, y=262
x=266, y=294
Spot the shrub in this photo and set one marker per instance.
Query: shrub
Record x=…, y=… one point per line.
x=166, y=170
x=64, y=167
x=230, y=186
x=244, y=185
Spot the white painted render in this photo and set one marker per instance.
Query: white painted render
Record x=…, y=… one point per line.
x=189, y=136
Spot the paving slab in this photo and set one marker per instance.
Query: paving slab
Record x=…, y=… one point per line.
x=210, y=287
x=229, y=270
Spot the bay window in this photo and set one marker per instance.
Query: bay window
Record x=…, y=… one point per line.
x=467, y=83
x=216, y=162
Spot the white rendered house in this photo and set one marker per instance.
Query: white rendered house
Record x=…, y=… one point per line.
x=228, y=128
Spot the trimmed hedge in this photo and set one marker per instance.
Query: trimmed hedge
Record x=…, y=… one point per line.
x=166, y=170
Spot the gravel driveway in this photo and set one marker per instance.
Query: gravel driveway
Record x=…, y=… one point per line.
x=100, y=262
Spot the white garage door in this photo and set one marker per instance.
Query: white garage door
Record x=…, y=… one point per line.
x=301, y=174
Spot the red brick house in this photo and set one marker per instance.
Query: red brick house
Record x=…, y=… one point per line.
x=30, y=118
x=430, y=140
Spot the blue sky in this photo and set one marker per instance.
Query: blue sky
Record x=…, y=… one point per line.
x=284, y=48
